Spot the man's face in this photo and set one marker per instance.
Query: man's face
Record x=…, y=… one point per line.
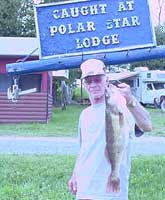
x=95, y=86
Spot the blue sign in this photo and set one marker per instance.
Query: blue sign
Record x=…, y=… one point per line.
x=93, y=26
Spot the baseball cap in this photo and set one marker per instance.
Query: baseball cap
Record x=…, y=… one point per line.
x=92, y=67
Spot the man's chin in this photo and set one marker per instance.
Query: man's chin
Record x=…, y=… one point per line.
x=97, y=96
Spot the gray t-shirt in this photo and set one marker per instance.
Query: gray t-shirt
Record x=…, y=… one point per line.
x=92, y=168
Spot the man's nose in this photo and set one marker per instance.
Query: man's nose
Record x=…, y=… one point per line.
x=93, y=83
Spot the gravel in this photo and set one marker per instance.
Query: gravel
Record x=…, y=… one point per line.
x=144, y=145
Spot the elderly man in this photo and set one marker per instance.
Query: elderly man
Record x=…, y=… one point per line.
x=91, y=171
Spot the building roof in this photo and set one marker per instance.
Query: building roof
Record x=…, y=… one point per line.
x=18, y=46
x=61, y=74
x=121, y=75
x=23, y=46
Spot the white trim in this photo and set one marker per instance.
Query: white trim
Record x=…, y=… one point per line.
x=61, y=3
x=100, y=51
x=21, y=46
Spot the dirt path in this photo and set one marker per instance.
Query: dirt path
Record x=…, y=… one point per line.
x=145, y=145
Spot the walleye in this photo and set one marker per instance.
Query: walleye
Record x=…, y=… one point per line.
x=116, y=127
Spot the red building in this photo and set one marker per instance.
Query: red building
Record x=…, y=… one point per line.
x=34, y=107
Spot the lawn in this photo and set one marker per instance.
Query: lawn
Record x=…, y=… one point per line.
x=45, y=177
x=64, y=123
x=158, y=121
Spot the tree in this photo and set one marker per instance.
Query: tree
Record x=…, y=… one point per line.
x=9, y=22
x=26, y=19
x=158, y=63
x=73, y=74
x=17, y=18
x=160, y=34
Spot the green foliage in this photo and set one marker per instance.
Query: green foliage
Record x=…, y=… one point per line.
x=160, y=34
x=77, y=94
x=34, y=177
x=147, y=180
x=26, y=18
x=9, y=18
x=17, y=18
x=156, y=63
x=73, y=75
x=158, y=121
x=64, y=123
x=46, y=177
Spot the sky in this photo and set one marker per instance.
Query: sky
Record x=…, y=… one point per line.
x=155, y=10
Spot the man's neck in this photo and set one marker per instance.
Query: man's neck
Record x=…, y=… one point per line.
x=97, y=100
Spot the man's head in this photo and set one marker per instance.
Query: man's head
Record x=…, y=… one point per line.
x=93, y=75
x=92, y=67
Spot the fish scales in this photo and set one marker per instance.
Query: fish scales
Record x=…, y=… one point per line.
x=115, y=141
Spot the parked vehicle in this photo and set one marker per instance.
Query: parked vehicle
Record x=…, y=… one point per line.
x=148, y=86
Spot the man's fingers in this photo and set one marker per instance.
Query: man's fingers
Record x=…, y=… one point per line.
x=72, y=187
x=111, y=88
x=123, y=85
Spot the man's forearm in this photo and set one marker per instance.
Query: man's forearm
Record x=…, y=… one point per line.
x=75, y=166
x=141, y=117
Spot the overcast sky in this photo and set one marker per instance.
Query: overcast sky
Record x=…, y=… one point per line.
x=155, y=10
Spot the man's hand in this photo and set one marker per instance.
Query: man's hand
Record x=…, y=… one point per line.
x=125, y=91
x=140, y=115
x=72, y=184
x=116, y=100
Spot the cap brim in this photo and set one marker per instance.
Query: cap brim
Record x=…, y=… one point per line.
x=94, y=74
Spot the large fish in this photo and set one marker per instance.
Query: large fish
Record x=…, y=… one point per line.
x=116, y=128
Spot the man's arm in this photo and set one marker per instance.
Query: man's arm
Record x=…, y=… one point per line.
x=72, y=183
x=140, y=115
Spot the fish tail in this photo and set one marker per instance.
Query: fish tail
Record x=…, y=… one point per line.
x=113, y=184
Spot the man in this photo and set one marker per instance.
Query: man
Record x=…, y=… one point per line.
x=91, y=171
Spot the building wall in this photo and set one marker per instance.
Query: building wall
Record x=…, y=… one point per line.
x=35, y=107
x=45, y=75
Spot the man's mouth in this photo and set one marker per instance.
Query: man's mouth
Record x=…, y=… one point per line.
x=94, y=91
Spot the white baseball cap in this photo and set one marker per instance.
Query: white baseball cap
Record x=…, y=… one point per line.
x=92, y=67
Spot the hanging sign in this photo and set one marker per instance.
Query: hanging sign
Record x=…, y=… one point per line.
x=93, y=26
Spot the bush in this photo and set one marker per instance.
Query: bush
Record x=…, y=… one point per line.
x=77, y=94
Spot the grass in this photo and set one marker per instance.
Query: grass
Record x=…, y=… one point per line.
x=147, y=179
x=45, y=177
x=34, y=177
x=77, y=93
x=158, y=121
x=64, y=123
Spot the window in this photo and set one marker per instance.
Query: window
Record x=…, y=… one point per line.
x=159, y=86
x=149, y=86
x=138, y=82
x=148, y=75
x=129, y=82
x=5, y=82
x=30, y=81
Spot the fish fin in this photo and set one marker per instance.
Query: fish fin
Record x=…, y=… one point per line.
x=113, y=185
x=106, y=154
